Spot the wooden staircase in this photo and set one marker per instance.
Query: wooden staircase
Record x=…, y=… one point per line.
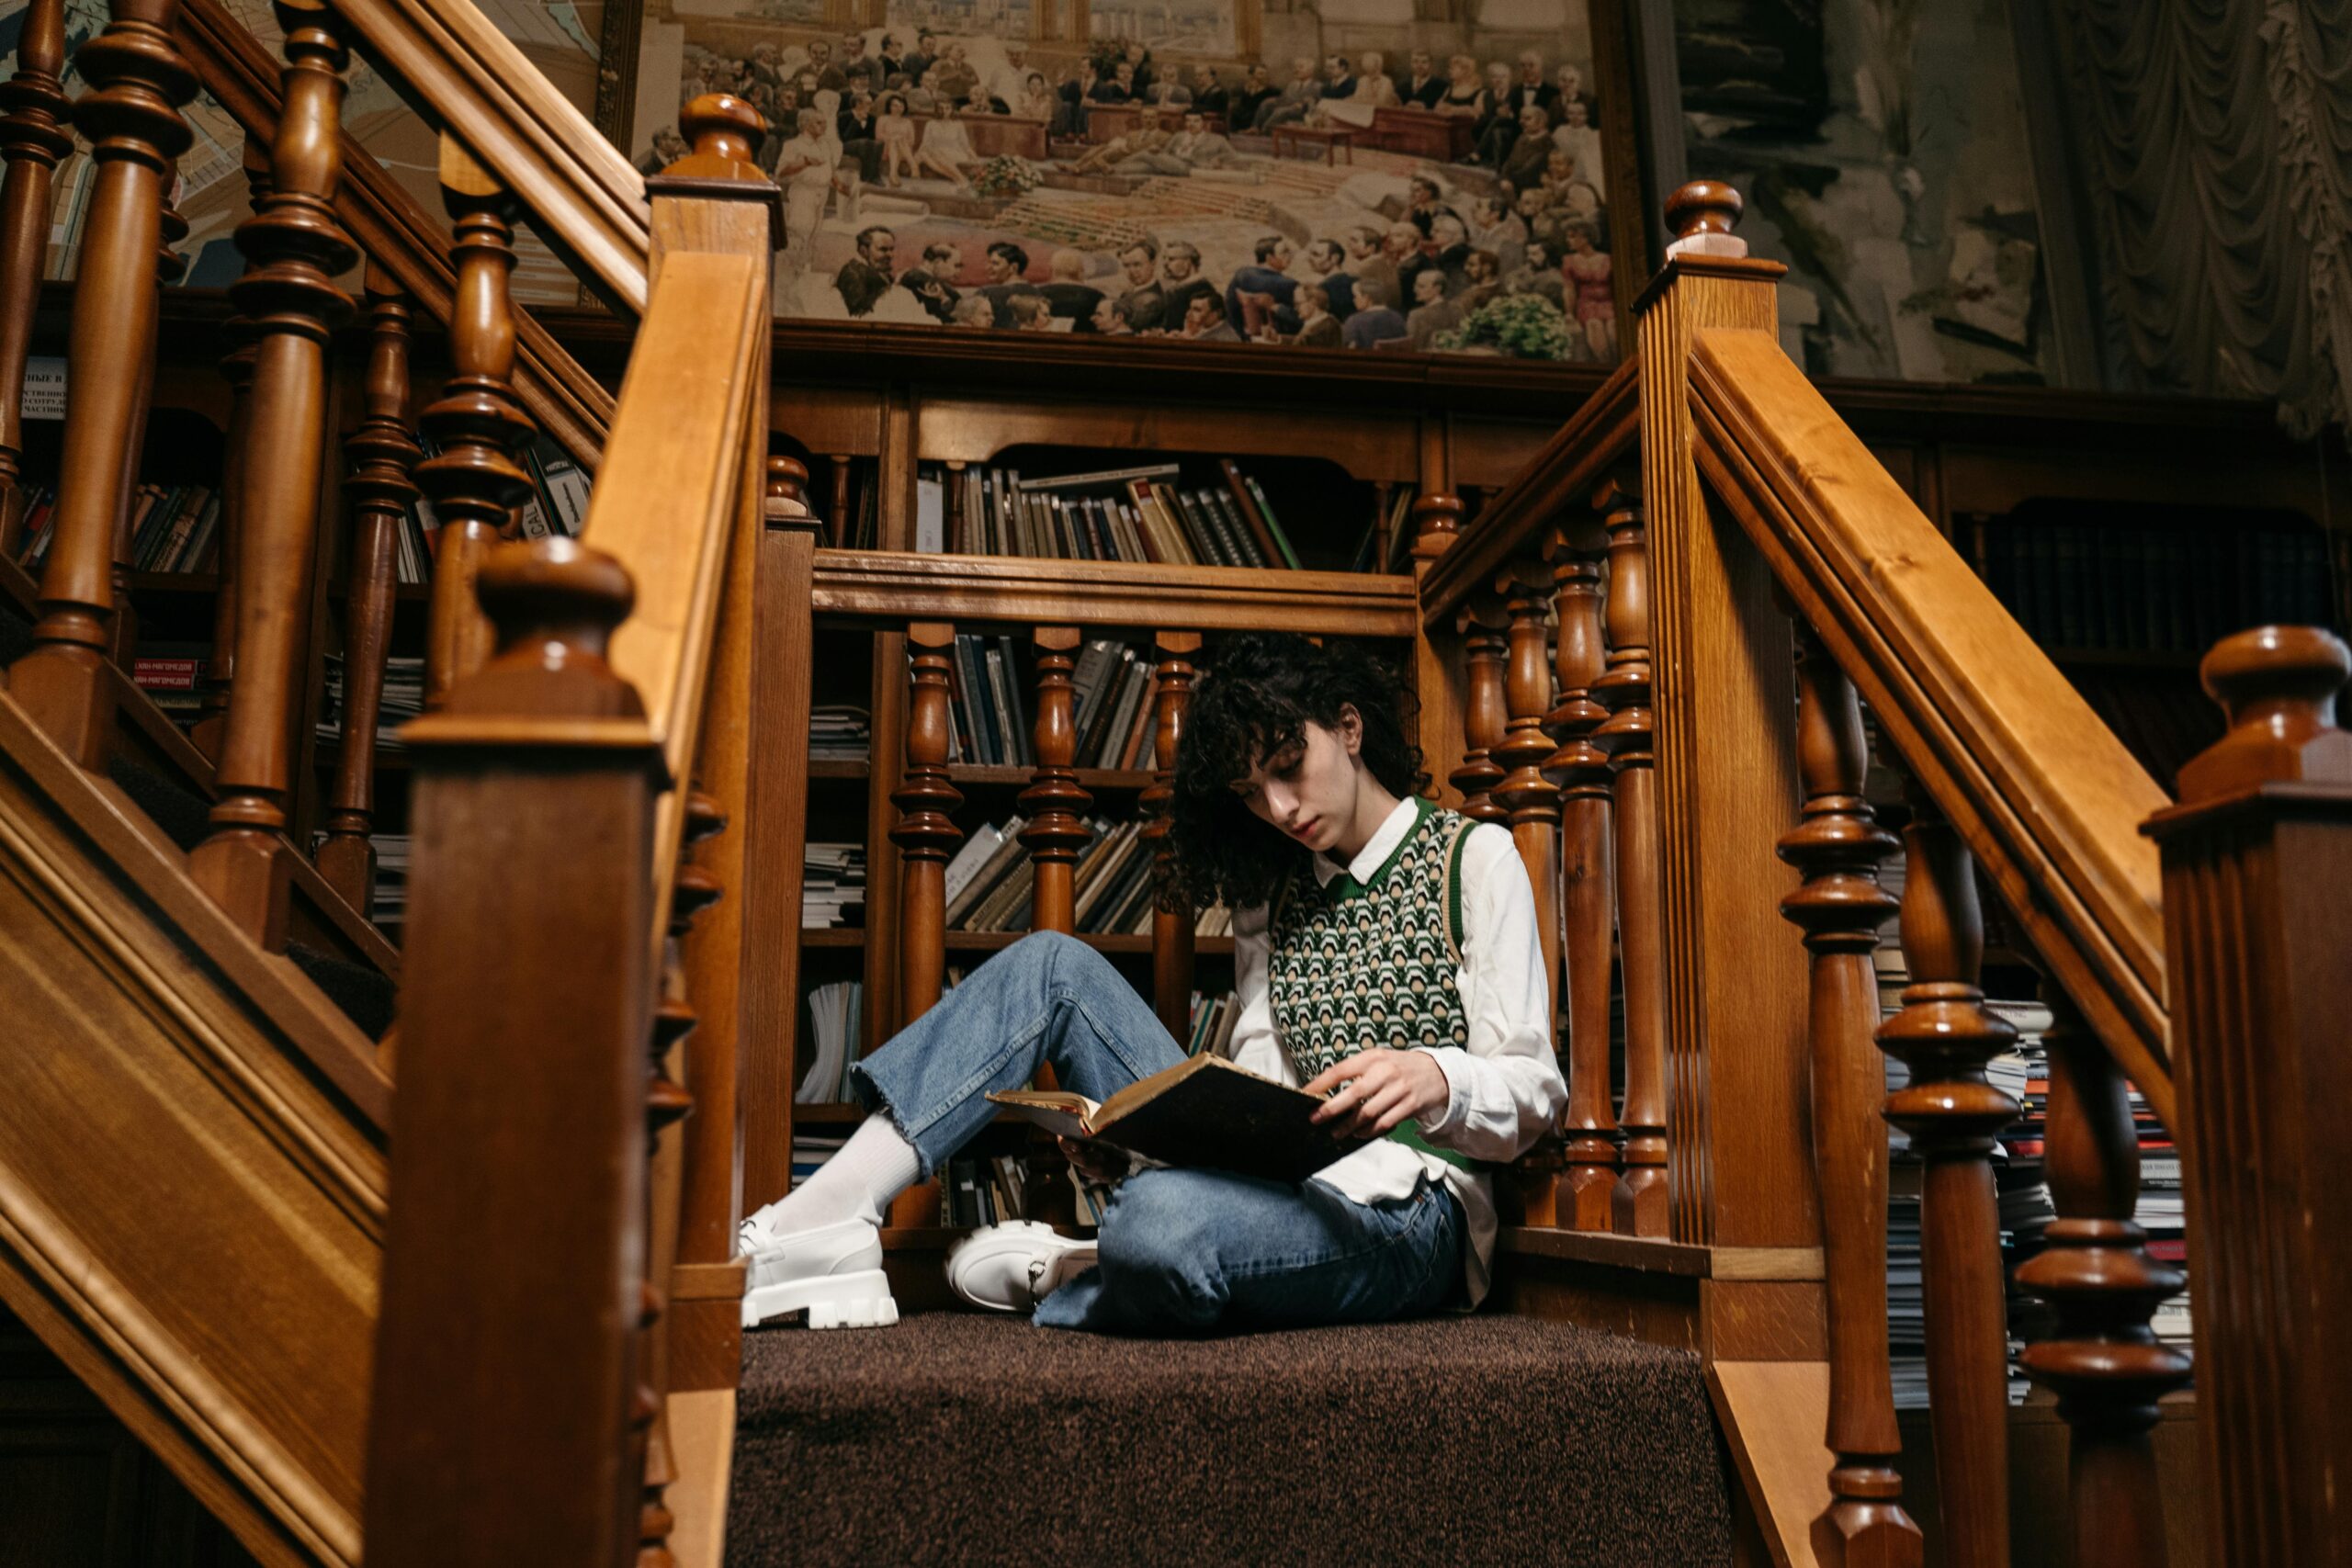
x=533, y=1356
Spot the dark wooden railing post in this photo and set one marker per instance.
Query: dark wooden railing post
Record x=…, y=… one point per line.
x=379, y=493
x=1639, y=1204
x=1945, y=1035
x=1840, y=906
x=1172, y=923
x=2093, y=1271
x=1722, y=662
x=33, y=139
x=1485, y=641
x=1587, y=884
x=474, y=481
x=1054, y=804
x=1437, y=523
x=131, y=116
x=212, y=730
x=298, y=248
x=2256, y=857
x=926, y=837
x=499, y=1426
x=170, y=267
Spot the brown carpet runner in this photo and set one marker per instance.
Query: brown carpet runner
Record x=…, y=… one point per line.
x=964, y=1437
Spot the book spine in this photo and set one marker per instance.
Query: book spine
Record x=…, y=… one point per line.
x=1234, y=528
x=1019, y=751
x=1196, y=534
x=1273, y=523
x=1252, y=518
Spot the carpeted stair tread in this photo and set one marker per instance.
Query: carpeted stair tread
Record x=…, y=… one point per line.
x=961, y=1437
x=183, y=814
x=365, y=993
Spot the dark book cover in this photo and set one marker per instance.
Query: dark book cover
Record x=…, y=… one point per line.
x=1203, y=1111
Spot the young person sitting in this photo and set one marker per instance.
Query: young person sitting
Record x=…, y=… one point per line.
x=1387, y=959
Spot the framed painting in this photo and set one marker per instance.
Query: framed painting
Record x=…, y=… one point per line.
x=1383, y=175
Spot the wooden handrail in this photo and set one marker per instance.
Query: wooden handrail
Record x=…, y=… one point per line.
x=589, y=201
x=671, y=495
x=410, y=244
x=1603, y=430
x=2047, y=799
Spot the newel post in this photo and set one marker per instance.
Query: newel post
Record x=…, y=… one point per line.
x=1723, y=690
x=2256, y=857
x=499, y=1431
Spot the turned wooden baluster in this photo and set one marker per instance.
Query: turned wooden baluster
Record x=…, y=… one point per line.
x=1484, y=710
x=1639, y=1203
x=1840, y=906
x=2093, y=1271
x=926, y=838
x=1587, y=891
x=1056, y=807
x=1533, y=800
x=33, y=139
x=1171, y=922
x=1945, y=1035
x=299, y=249
x=474, y=481
x=131, y=116
x=379, y=493
x=170, y=267
x=667, y=1103
x=840, y=520
x=211, y=729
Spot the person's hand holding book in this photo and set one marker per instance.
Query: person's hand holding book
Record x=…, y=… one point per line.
x=1373, y=1091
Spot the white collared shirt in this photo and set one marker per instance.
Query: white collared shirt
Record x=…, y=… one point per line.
x=1504, y=1089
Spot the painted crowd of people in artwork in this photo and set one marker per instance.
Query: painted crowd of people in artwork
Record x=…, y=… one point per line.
x=1430, y=203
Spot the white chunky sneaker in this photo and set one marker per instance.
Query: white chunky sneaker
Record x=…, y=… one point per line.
x=1013, y=1265
x=833, y=1273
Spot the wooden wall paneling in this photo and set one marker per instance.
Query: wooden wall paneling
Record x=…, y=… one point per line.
x=1494, y=452
x=826, y=418
x=2185, y=473
x=1723, y=672
x=776, y=833
x=961, y=428
x=2255, y=860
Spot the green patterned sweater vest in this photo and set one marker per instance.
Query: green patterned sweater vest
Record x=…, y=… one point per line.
x=1357, y=966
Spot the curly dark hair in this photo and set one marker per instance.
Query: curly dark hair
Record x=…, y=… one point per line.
x=1256, y=700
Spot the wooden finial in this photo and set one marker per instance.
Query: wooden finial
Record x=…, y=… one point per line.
x=724, y=131
x=555, y=602
x=2278, y=685
x=1702, y=214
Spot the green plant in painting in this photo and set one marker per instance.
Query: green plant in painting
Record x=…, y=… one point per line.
x=1525, y=326
x=1005, y=175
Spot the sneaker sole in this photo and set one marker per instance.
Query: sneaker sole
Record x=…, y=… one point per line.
x=831, y=1301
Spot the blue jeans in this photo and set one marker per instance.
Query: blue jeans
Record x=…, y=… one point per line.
x=1182, y=1251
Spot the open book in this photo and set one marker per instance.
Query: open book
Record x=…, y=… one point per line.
x=1202, y=1111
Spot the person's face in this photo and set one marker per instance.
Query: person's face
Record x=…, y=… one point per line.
x=1498, y=77
x=1126, y=74
x=1323, y=256
x=955, y=53
x=1531, y=70
x=1575, y=113
x=1192, y=124
x=1256, y=75
x=1302, y=71
x=1539, y=257
x=1205, y=79
x=1530, y=120
x=879, y=250
x=819, y=52
x=1420, y=63
x=1362, y=297
x=930, y=79
x=852, y=46
x=1362, y=244
x=1424, y=194
x=1197, y=314
x=1429, y=287
x=1180, y=266
x=942, y=262
x=1369, y=65
x=1314, y=302
x=1581, y=202
x=1281, y=257
x=1310, y=790
x=1137, y=265
x=1481, y=267
x=1403, y=241
x=1000, y=267
x=1578, y=242
x=1571, y=81
x=1135, y=54
x=1336, y=68
x=1531, y=203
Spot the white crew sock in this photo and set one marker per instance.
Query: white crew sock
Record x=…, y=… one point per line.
x=872, y=1168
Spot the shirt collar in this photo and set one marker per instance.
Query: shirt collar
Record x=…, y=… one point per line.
x=1376, y=850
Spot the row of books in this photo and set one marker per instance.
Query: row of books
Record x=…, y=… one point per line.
x=1213, y=1018
x=832, y=885
x=172, y=674
x=402, y=699
x=987, y=1190
x=173, y=527
x=835, y=1013
x=2154, y=589
x=988, y=711
x=1112, y=881
x=1141, y=514
x=557, y=505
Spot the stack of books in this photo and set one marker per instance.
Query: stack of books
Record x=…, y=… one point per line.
x=832, y=886
x=170, y=673
x=1213, y=1020
x=840, y=731
x=402, y=699
x=389, y=904
x=835, y=1013
x=812, y=1150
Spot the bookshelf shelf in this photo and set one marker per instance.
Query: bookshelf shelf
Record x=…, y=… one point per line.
x=827, y=1113
x=839, y=768
x=833, y=936
x=984, y=775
